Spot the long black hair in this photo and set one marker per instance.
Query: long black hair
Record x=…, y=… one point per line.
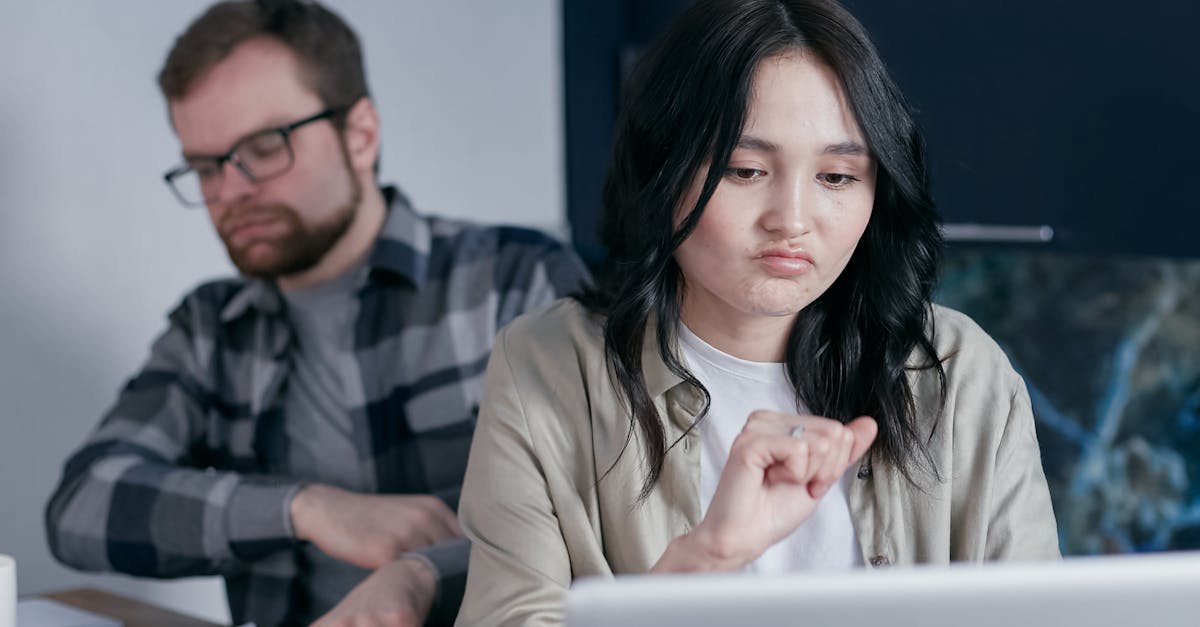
x=685, y=107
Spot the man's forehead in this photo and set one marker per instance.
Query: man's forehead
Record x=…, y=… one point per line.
x=259, y=85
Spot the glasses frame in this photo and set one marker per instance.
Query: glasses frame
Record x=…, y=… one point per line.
x=231, y=156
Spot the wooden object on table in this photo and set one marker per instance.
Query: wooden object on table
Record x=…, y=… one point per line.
x=129, y=611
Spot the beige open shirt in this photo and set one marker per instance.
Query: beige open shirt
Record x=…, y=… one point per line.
x=551, y=424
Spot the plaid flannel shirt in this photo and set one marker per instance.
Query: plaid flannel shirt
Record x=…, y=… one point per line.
x=188, y=474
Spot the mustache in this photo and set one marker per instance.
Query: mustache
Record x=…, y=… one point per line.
x=237, y=216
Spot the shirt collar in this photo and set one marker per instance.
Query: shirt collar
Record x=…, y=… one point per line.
x=256, y=294
x=660, y=380
x=404, y=241
x=402, y=249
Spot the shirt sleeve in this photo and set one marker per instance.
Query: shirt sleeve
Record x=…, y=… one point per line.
x=135, y=498
x=520, y=566
x=565, y=272
x=449, y=562
x=1022, y=525
x=534, y=270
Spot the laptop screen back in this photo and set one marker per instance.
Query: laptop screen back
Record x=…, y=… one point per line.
x=1161, y=590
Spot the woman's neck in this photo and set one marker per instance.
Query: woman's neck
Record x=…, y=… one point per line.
x=753, y=338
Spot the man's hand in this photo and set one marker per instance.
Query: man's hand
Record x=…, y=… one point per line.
x=370, y=530
x=399, y=594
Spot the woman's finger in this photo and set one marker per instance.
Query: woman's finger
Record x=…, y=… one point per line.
x=836, y=459
x=779, y=458
x=865, y=430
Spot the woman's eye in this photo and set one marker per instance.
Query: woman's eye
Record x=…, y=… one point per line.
x=745, y=174
x=833, y=179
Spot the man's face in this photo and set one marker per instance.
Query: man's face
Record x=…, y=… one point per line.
x=284, y=225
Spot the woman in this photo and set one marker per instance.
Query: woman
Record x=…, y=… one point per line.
x=761, y=384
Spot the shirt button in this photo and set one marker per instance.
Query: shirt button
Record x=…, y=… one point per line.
x=880, y=561
x=687, y=443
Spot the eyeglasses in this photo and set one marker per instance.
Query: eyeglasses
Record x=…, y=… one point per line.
x=262, y=156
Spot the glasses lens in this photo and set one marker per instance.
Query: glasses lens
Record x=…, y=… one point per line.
x=265, y=155
x=187, y=188
x=259, y=157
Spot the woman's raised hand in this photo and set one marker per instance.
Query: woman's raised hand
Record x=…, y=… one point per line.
x=779, y=467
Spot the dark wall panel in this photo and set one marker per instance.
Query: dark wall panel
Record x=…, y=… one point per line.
x=1083, y=116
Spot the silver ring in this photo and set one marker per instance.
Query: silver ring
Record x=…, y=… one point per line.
x=798, y=431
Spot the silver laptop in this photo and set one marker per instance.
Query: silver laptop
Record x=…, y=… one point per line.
x=1158, y=590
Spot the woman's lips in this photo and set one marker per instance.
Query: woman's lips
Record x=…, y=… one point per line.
x=786, y=262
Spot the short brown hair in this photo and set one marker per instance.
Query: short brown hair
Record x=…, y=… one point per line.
x=327, y=47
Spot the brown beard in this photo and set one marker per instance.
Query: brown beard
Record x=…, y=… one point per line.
x=300, y=248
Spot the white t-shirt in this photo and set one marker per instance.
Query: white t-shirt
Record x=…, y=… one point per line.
x=825, y=541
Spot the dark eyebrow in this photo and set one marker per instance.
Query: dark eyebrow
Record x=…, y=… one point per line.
x=851, y=148
x=846, y=148
x=750, y=142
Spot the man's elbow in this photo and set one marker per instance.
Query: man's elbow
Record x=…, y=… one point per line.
x=70, y=543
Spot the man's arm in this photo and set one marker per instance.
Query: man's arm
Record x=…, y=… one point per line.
x=407, y=592
x=398, y=594
x=448, y=562
x=134, y=498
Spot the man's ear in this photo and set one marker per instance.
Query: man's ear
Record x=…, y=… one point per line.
x=361, y=134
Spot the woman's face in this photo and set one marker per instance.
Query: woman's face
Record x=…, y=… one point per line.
x=789, y=210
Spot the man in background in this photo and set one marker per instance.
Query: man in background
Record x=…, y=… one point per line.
x=302, y=430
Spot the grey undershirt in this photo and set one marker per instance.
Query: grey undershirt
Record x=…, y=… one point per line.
x=324, y=383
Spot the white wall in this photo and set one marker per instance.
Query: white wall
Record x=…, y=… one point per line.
x=94, y=250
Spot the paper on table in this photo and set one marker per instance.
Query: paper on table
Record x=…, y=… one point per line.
x=47, y=613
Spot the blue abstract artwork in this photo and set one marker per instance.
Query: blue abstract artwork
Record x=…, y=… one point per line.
x=1110, y=350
